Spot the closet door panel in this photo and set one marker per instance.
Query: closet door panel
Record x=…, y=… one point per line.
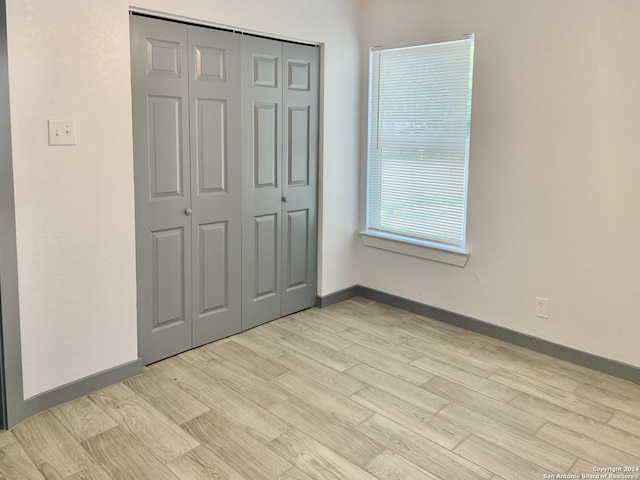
x=300, y=172
x=214, y=100
x=262, y=180
x=162, y=186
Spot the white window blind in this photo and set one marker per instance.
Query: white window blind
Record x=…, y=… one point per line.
x=419, y=126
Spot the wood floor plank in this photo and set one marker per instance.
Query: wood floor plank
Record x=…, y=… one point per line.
x=362, y=307
x=337, y=381
x=183, y=374
x=15, y=464
x=353, y=445
x=343, y=409
x=612, y=399
x=6, y=438
x=161, y=436
x=399, y=352
x=321, y=353
x=496, y=459
x=449, y=355
x=546, y=368
x=584, y=467
x=318, y=318
x=531, y=448
x=422, y=452
x=252, y=418
x=408, y=415
x=107, y=397
x=166, y=396
x=465, y=377
x=96, y=472
x=123, y=457
x=316, y=460
x=587, y=447
x=440, y=345
x=556, y=396
x=417, y=396
x=201, y=355
x=589, y=428
x=271, y=331
x=246, y=358
x=51, y=447
x=261, y=345
x=202, y=463
x=435, y=332
x=240, y=450
x=294, y=474
x=546, y=410
x=537, y=369
x=313, y=333
x=391, y=466
x=246, y=383
x=488, y=406
x=379, y=360
x=607, y=382
x=378, y=326
x=83, y=418
x=626, y=422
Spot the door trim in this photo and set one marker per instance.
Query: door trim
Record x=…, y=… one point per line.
x=11, y=393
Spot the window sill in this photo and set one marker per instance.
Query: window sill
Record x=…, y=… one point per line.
x=415, y=248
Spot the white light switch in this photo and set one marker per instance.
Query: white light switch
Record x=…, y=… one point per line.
x=62, y=132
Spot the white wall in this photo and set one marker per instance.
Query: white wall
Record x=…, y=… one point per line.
x=554, y=169
x=75, y=205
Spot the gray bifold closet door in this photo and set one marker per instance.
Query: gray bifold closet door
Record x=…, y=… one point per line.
x=225, y=161
x=186, y=122
x=280, y=164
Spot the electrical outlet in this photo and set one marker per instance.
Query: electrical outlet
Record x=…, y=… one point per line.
x=62, y=132
x=542, y=307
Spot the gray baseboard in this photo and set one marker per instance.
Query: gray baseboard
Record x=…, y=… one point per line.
x=79, y=388
x=578, y=357
x=337, y=297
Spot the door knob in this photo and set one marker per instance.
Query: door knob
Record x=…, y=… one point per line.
x=285, y=199
x=188, y=211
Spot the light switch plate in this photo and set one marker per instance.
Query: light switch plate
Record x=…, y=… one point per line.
x=62, y=132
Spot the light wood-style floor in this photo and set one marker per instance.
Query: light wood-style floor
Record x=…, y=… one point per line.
x=355, y=391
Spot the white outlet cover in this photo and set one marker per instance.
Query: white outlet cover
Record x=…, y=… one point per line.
x=62, y=132
x=542, y=307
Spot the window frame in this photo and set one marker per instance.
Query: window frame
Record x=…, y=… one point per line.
x=398, y=242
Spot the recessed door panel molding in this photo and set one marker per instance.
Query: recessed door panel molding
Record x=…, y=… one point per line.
x=265, y=145
x=299, y=75
x=298, y=147
x=168, y=277
x=211, y=63
x=163, y=58
x=211, y=145
x=214, y=255
x=165, y=148
x=298, y=229
x=265, y=71
x=266, y=256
